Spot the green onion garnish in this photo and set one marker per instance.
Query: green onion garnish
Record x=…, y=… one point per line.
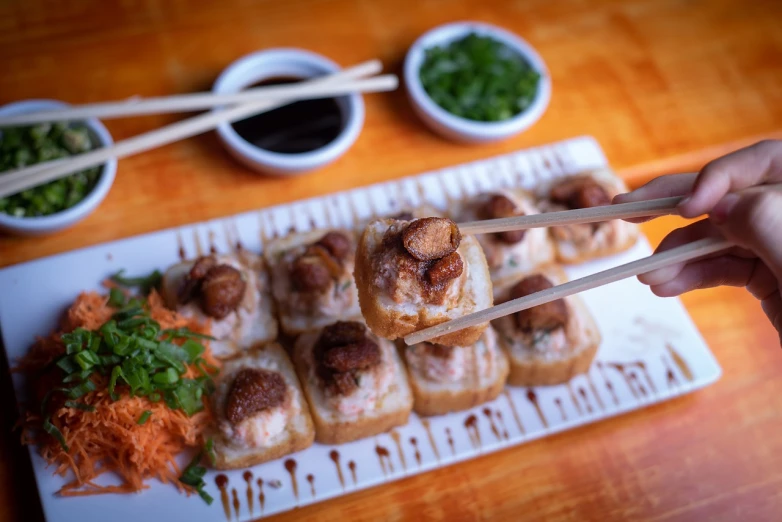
x=144, y=417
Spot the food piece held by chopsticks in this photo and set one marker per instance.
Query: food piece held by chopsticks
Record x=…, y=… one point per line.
x=312, y=279
x=354, y=381
x=260, y=410
x=551, y=343
x=581, y=242
x=509, y=254
x=455, y=378
x=231, y=292
x=418, y=273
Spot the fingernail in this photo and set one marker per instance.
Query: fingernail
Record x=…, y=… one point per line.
x=684, y=201
x=723, y=209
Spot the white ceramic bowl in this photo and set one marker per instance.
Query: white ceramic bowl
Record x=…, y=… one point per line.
x=296, y=63
x=462, y=129
x=35, y=226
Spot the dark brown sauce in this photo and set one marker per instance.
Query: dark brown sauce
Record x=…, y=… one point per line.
x=414, y=443
x=574, y=399
x=608, y=383
x=261, y=496
x=298, y=127
x=383, y=455
x=398, y=442
x=490, y=416
x=471, y=425
x=450, y=441
x=430, y=436
x=248, y=477
x=594, y=392
x=311, y=480
x=583, y=393
x=222, y=483
x=558, y=402
x=334, y=455
x=290, y=465
x=352, y=466
x=236, y=502
x=502, y=423
x=680, y=363
x=533, y=398
x=515, y=412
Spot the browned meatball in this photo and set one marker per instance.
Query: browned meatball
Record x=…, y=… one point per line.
x=253, y=390
x=337, y=244
x=343, y=383
x=222, y=290
x=309, y=274
x=342, y=333
x=544, y=317
x=445, y=269
x=580, y=192
x=498, y=207
x=357, y=356
x=431, y=238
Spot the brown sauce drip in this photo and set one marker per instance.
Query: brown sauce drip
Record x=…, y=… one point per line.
x=427, y=426
x=199, y=247
x=582, y=392
x=298, y=127
x=352, y=467
x=222, y=484
x=450, y=441
x=574, y=399
x=513, y=410
x=608, y=383
x=414, y=443
x=290, y=466
x=594, y=392
x=637, y=382
x=502, y=423
x=488, y=413
x=626, y=376
x=385, y=458
x=212, y=247
x=239, y=246
x=248, y=477
x=558, y=402
x=533, y=398
x=670, y=377
x=261, y=496
x=471, y=425
x=680, y=363
x=334, y=455
x=180, y=246
x=398, y=442
x=311, y=480
x=642, y=366
x=235, y=496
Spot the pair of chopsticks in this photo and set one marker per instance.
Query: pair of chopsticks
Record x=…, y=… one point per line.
x=239, y=106
x=649, y=208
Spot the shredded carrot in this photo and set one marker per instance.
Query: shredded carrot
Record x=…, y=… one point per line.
x=109, y=439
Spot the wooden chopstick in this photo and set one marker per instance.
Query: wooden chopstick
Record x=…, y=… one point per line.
x=694, y=250
x=648, y=208
x=22, y=179
x=199, y=101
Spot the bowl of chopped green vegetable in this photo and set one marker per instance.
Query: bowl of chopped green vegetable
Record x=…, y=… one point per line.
x=63, y=202
x=474, y=82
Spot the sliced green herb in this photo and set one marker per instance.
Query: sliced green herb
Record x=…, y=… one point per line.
x=193, y=476
x=144, y=417
x=79, y=405
x=116, y=298
x=145, y=284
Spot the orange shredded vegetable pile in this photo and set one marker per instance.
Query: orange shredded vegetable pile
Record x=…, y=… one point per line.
x=110, y=439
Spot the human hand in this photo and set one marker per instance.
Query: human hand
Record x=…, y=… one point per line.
x=751, y=220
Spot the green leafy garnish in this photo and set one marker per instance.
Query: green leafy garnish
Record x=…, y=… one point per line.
x=138, y=358
x=145, y=284
x=479, y=78
x=144, y=417
x=210, y=450
x=193, y=476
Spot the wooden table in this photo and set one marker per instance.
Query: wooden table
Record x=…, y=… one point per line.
x=664, y=85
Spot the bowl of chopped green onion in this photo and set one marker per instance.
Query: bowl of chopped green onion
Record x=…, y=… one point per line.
x=474, y=82
x=63, y=202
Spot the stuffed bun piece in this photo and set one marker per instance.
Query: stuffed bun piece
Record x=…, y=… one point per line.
x=312, y=279
x=231, y=292
x=509, y=254
x=584, y=241
x=550, y=343
x=415, y=274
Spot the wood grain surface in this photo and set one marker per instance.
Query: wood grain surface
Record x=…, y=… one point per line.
x=664, y=85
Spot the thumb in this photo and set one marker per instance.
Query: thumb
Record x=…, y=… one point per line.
x=753, y=221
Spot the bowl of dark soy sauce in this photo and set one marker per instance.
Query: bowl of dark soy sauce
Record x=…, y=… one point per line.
x=295, y=137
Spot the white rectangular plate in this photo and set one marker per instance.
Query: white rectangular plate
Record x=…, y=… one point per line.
x=651, y=351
